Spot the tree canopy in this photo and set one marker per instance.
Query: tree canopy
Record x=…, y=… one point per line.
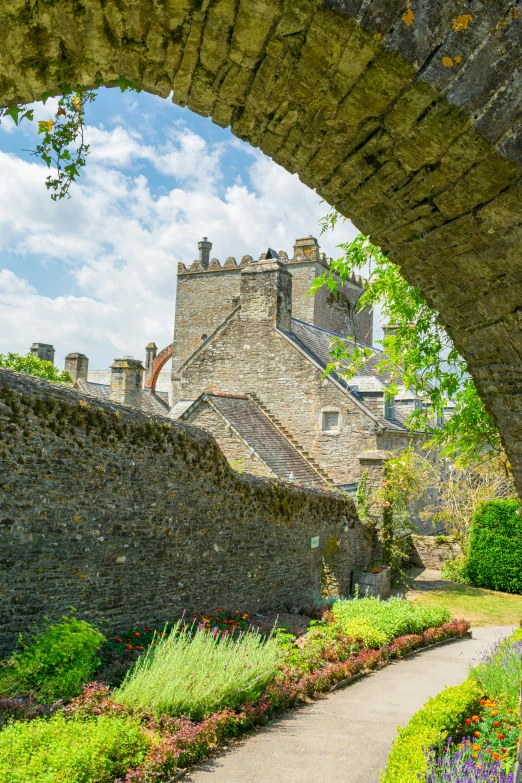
x=32, y=365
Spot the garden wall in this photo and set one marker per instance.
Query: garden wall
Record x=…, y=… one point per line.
x=433, y=551
x=131, y=518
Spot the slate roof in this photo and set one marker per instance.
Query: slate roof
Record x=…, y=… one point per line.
x=157, y=403
x=316, y=343
x=278, y=454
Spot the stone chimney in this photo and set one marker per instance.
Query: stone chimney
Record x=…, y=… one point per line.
x=78, y=365
x=43, y=351
x=127, y=381
x=307, y=249
x=266, y=292
x=204, y=248
x=151, y=352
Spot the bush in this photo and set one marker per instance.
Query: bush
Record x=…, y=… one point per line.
x=60, y=750
x=197, y=674
x=442, y=715
x=55, y=664
x=364, y=633
x=392, y=618
x=455, y=570
x=499, y=671
x=32, y=365
x=495, y=547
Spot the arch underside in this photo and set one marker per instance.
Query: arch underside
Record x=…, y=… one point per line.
x=423, y=155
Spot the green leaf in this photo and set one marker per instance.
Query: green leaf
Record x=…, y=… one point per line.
x=46, y=96
x=66, y=155
x=14, y=113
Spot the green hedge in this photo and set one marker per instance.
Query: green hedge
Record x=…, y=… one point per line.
x=429, y=727
x=495, y=547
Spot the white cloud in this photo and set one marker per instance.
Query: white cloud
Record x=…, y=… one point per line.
x=120, y=242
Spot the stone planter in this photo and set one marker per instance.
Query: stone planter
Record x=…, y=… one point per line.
x=372, y=584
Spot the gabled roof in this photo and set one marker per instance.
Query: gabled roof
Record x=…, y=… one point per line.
x=257, y=431
x=315, y=343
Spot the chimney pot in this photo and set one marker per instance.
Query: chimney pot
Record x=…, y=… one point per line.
x=204, y=248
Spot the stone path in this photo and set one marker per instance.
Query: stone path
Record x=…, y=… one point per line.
x=345, y=736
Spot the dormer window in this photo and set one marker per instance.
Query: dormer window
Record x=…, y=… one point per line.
x=389, y=408
x=331, y=421
x=418, y=405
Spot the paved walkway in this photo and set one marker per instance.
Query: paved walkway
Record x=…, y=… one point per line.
x=347, y=735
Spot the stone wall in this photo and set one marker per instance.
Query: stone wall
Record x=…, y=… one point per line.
x=132, y=519
x=433, y=551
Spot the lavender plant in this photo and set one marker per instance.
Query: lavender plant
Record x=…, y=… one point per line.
x=463, y=764
x=498, y=671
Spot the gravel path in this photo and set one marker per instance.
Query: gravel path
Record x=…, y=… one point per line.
x=345, y=736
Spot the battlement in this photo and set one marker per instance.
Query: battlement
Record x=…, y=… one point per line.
x=306, y=251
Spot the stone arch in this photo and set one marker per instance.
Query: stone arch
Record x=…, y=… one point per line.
x=159, y=362
x=406, y=116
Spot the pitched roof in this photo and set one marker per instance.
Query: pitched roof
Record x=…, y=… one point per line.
x=315, y=343
x=158, y=403
x=256, y=429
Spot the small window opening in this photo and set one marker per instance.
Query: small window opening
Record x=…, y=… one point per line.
x=331, y=421
x=389, y=408
x=440, y=418
x=418, y=405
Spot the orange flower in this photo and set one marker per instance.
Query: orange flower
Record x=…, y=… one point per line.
x=136, y=633
x=475, y=718
x=468, y=721
x=476, y=747
x=476, y=734
x=500, y=736
x=117, y=639
x=138, y=647
x=129, y=646
x=496, y=724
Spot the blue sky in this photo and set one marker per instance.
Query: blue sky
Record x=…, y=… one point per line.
x=97, y=273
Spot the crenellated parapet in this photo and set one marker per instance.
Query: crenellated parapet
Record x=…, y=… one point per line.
x=214, y=266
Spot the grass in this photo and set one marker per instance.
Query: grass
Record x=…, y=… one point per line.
x=60, y=750
x=197, y=674
x=479, y=606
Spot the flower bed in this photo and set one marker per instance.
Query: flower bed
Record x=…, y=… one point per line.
x=460, y=736
x=305, y=667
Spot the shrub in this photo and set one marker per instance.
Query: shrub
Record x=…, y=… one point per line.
x=499, y=671
x=455, y=570
x=364, y=633
x=429, y=728
x=196, y=674
x=56, y=662
x=32, y=365
x=61, y=750
x=392, y=618
x=495, y=547
x=463, y=765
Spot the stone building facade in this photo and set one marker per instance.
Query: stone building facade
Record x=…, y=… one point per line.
x=249, y=355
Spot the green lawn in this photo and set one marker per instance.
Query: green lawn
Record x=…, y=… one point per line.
x=480, y=607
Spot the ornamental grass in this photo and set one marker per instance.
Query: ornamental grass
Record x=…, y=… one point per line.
x=498, y=670
x=196, y=673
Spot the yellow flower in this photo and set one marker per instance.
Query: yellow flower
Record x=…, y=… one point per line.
x=45, y=125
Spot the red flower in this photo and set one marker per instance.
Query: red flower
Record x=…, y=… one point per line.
x=496, y=724
x=139, y=647
x=468, y=721
x=500, y=735
x=476, y=734
x=129, y=647
x=136, y=633
x=117, y=639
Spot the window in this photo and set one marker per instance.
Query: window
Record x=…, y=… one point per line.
x=418, y=405
x=389, y=408
x=440, y=418
x=331, y=421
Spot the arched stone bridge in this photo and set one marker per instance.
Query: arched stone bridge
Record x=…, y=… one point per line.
x=405, y=115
